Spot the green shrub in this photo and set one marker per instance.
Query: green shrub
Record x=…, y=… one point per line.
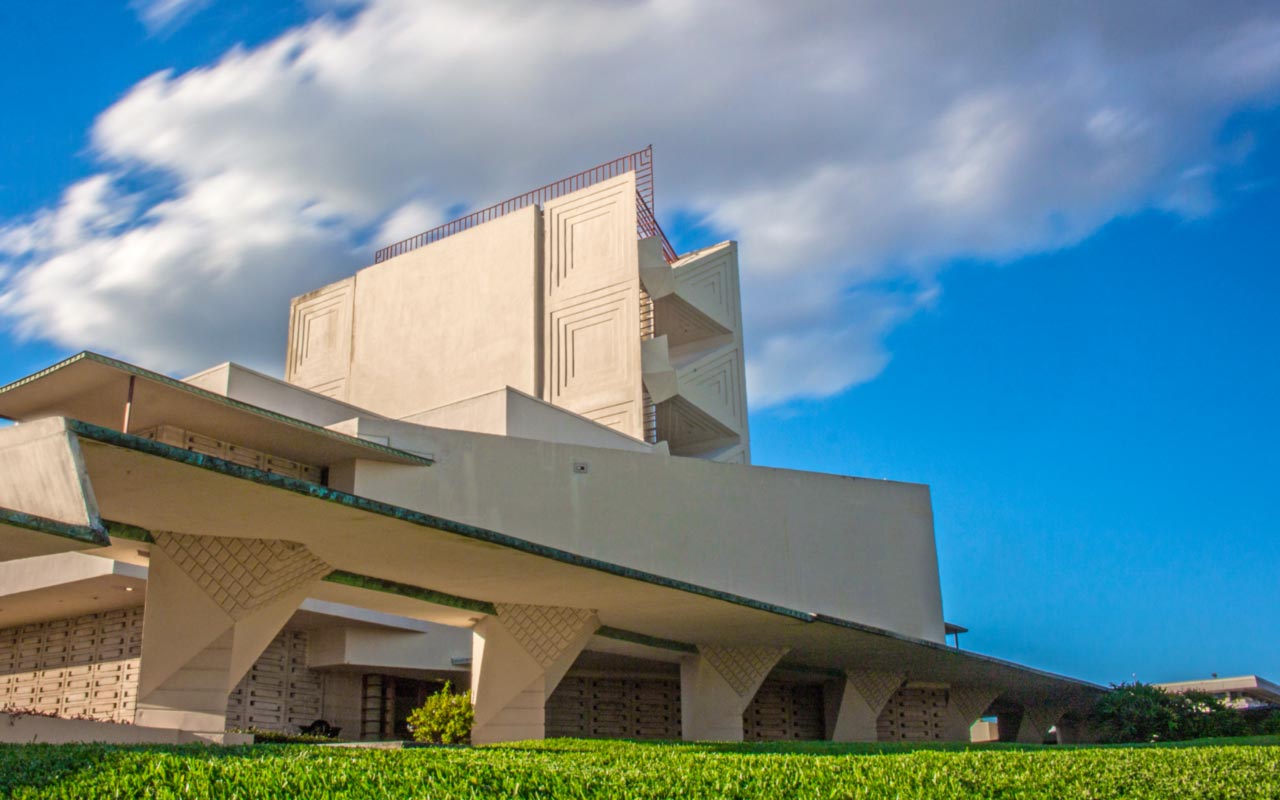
x=445, y=718
x=1270, y=723
x=1139, y=712
x=1204, y=716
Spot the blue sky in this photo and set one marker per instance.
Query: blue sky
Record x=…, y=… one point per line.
x=1026, y=257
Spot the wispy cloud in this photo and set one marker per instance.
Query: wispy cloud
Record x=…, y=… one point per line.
x=854, y=150
x=162, y=16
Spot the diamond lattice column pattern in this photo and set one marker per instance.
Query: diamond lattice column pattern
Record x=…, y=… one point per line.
x=965, y=705
x=518, y=658
x=864, y=695
x=717, y=685
x=213, y=605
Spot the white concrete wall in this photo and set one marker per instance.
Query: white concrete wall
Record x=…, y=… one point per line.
x=379, y=649
x=430, y=327
x=248, y=386
x=24, y=729
x=853, y=548
x=508, y=412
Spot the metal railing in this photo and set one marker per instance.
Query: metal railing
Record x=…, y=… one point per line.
x=641, y=162
x=647, y=225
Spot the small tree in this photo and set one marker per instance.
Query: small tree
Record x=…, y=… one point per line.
x=1137, y=712
x=445, y=718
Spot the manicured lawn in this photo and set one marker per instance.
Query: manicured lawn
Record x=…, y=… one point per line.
x=1240, y=768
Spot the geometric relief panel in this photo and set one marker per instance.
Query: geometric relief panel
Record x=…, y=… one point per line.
x=242, y=575
x=715, y=385
x=709, y=284
x=682, y=323
x=623, y=417
x=589, y=235
x=743, y=668
x=683, y=425
x=591, y=342
x=969, y=702
x=875, y=687
x=320, y=338
x=545, y=632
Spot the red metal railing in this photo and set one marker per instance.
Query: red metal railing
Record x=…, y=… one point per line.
x=641, y=162
x=647, y=225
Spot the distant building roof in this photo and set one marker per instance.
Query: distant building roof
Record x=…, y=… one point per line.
x=1259, y=688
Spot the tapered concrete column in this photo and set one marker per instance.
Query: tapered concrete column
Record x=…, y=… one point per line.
x=213, y=605
x=717, y=685
x=861, y=699
x=965, y=706
x=1036, y=722
x=517, y=659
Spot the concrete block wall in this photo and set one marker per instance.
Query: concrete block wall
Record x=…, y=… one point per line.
x=914, y=714
x=83, y=666
x=279, y=693
x=88, y=666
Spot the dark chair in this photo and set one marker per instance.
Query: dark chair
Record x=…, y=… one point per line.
x=320, y=728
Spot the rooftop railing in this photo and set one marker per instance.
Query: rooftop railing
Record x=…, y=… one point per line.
x=641, y=162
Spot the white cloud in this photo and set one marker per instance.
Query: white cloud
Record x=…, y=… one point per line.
x=853, y=149
x=162, y=15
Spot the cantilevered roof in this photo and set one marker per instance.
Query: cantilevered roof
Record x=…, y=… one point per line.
x=94, y=388
x=447, y=571
x=24, y=535
x=1251, y=685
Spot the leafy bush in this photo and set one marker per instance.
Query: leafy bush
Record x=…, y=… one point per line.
x=1139, y=712
x=445, y=718
x=1204, y=716
x=1270, y=724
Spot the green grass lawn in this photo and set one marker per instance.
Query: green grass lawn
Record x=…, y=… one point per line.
x=1234, y=768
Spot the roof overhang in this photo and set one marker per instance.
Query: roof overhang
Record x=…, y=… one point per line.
x=408, y=563
x=96, y=389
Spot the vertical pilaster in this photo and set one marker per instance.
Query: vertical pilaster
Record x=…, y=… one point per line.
x=863, y=697
x=518, y=657
x=717, y=685
x=213, y=605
